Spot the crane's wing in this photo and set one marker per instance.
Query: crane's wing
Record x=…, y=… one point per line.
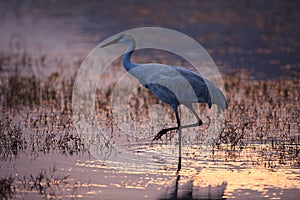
x=206, y=91
x=173, y=85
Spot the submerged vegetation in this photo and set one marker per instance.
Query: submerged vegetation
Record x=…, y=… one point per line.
x=36, y=118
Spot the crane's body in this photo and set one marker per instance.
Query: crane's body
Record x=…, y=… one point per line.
x=173, y=85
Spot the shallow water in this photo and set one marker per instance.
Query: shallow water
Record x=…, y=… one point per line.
x=40, y=148
x=92, y=179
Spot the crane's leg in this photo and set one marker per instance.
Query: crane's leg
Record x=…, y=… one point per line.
x=198, y=123
x=164, y=131
x=178, y=128
x=179, y=153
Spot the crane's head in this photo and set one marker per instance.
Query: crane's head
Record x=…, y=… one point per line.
x=124, y=38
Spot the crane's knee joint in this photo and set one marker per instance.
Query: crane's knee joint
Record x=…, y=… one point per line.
x=200, y=122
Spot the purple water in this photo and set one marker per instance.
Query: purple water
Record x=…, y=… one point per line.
x=262, y=37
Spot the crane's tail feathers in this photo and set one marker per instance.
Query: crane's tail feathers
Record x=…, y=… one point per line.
x=217, y=97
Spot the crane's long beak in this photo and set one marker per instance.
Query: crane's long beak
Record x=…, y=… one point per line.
x=111, y=42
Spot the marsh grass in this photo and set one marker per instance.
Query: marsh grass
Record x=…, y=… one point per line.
x=260, y=112
x=35, y=112
x=36, y=118
x=262, y=119
x=12, y=140
x=263, y=115
x=7, y=188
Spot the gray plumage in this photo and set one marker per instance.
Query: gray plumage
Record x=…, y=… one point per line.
x=173, y=85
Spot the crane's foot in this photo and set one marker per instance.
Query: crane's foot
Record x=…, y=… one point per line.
x=200, y=122
x=160, y=134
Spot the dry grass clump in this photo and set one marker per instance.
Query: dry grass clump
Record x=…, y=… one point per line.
x=7, y=188
x=12, y=139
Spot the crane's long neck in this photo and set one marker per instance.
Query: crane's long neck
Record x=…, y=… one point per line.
x=126, y=58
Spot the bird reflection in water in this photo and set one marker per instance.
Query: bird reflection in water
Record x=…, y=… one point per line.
x=188, y=190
